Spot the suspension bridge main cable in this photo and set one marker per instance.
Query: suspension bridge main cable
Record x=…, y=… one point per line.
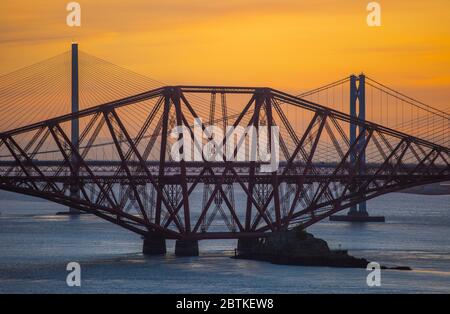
x=323, y=88
x=412, y=101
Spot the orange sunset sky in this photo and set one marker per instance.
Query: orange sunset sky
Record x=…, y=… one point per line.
x=293, y=45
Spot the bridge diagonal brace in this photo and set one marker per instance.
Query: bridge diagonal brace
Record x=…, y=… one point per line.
x=162, y=159
x=386, y=164
x=19, y=161
x=445, y=160
x=355, y=145
x=251, y=184
x=388, y=144
x=357, y=165
x=275, y=182
x=82, y=137
x=80, y=159
x=179, y=117
x=254, y=202
x=138, y=155
x=138, y=169
x=30, y=162
x=432, y=163
x=205, y=209
x=297, y=150
x=422, y=161
x=218, y=189
x=174, y=214
x=138, y=139
x=67, y=159
x=299, y=147
x=228, y=164
x=125, y=166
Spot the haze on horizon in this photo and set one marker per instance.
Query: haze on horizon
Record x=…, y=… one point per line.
x=290, y=44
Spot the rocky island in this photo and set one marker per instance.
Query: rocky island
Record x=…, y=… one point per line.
x=297, y=247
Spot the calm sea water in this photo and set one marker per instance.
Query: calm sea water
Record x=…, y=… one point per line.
x=36, y=245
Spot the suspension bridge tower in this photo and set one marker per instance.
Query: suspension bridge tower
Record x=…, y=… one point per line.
x=358, y=213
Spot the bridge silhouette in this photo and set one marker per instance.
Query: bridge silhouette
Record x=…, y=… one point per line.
x=113, y=159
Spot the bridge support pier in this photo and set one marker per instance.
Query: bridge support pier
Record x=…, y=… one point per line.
x=245, y=246
x=154, y=245
x=186, y=248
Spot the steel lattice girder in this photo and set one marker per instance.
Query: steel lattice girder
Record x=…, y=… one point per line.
x=303, y=191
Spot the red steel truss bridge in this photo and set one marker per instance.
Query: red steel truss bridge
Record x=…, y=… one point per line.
x=113, y=160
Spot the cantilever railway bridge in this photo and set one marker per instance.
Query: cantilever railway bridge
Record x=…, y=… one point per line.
x=116, y=163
